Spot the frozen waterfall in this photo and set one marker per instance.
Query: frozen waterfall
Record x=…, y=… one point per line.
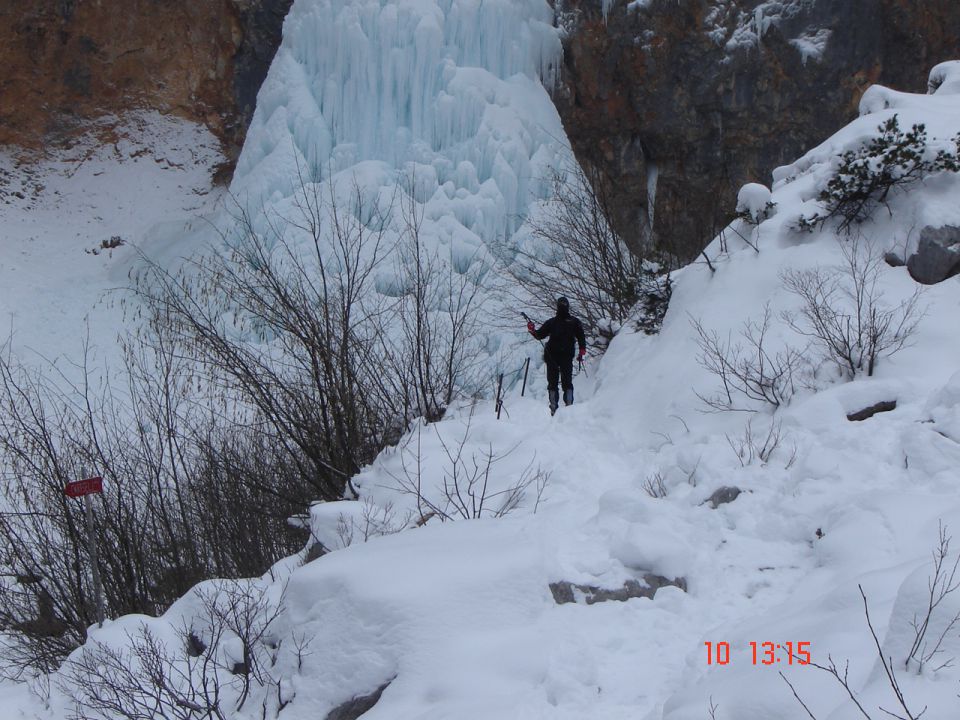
x=449, y=91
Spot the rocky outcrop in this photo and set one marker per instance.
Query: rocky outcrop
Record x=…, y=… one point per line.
x=683, y=102
x=938, y=255
x=675, y=104
x=869, y=412
x=722, y=496
x=69, y=61
x=565, y=592
x=355, y=708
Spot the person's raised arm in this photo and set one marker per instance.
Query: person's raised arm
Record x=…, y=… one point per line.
x=544, y=330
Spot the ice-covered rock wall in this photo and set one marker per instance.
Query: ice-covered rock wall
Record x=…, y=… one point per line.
x=450, y=92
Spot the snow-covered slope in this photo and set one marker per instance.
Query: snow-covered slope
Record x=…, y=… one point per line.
x=145, y=179
x=458, y=617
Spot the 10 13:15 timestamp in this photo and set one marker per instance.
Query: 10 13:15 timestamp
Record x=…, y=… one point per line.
x=762, y=653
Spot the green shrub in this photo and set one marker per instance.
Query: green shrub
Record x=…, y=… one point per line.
x=865, y=176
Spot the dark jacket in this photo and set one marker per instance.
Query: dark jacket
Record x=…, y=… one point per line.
x=565, y=332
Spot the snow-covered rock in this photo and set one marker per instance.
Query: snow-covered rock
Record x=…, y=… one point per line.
x=938, y=255
x=945, y=79
x=754, y=201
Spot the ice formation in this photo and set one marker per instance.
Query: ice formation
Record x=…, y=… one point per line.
x=451, y=91
x=440, y=102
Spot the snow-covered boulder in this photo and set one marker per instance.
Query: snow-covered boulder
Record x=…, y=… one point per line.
x=754, y=202
x=945, y=79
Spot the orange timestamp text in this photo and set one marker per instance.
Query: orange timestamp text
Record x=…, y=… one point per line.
x=762, y=653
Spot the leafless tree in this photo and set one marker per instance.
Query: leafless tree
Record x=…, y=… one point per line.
x=577, y=253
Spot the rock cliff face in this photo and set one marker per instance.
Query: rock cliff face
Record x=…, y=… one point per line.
x=69, y=61
x=675, y=105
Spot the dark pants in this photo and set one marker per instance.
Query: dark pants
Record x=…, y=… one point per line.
x=559, y=370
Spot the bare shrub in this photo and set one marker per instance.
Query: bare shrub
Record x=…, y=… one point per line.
x=842, y=677
x=184, y=499
x=750, y=447
x=941, y=584
x=146, y=679
x=298, y=344
x=465, y=493
x=439, y=314
x=375, y=521
x=581, y=256
x=655, y=486
x=291, y=325
x=924, y=649
x=843, y=311
x=263, y=379
x=713, y=709
x=747, y=369
x=193, y=679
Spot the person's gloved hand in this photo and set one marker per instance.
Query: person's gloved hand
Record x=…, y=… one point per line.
x=531, y=328
x=583, y=353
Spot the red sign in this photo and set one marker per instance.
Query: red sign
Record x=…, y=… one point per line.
x=79, y=488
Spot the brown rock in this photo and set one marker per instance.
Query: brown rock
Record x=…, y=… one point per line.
x=70, y=61
x=650, y=90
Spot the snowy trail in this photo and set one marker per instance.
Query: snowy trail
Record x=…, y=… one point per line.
x=624, y=659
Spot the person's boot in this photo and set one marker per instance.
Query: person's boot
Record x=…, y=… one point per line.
x=554, y=400
x=568, y=397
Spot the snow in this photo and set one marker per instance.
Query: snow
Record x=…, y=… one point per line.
x=470, y=629
x=812, y=45
x=738, y=29
x=753, y=200
x=145, y=178
x=457, y=615
x=945, y=78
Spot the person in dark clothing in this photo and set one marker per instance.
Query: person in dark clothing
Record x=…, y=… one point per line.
x=565, y=333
